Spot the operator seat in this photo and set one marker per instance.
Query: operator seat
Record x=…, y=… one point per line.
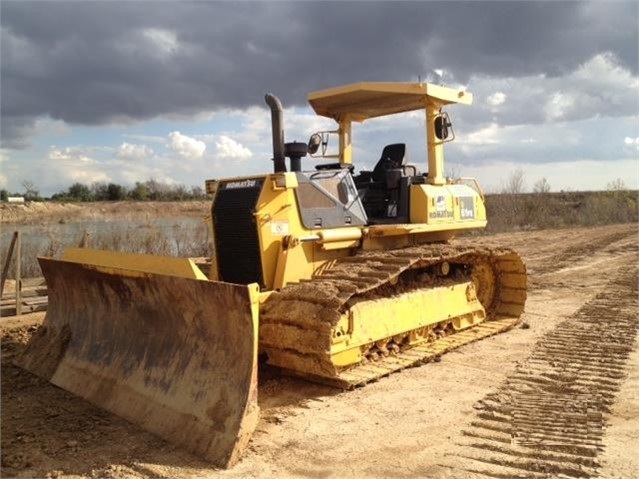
x=384, y=191
x=393, y=157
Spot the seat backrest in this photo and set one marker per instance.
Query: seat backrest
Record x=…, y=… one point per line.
x=393, y=156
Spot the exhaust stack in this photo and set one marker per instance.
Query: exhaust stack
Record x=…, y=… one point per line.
x=279, y=160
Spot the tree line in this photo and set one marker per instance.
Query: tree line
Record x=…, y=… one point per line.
x=150, y=190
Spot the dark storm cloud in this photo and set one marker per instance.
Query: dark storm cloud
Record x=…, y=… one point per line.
x=16, y=130
x=96, y=62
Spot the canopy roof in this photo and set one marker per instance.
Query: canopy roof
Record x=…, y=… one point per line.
x=360, y=101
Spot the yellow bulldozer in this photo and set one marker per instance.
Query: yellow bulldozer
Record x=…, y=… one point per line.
x=336, y=277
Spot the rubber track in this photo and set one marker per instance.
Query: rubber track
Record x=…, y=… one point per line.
x=296, y=323
x=548, y=418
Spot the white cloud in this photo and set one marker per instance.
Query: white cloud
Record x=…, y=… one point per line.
x=544, y=143
x=186, y=146
x=228, y=148
x=255, y=125
x=558, y=105
x=159, y=43
x=604, y=71
x=49, y=126
x=632, y=141
x=128, y=151
x=489, y=135
x=496, y=98
x=164, y=42
x=599, y=88
x=69, y=154
x=74, y=165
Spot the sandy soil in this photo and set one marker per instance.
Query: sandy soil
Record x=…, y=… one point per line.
x=453, y=418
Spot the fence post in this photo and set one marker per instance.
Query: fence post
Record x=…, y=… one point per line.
x=18, y=274
x=85, y=241
x=7, y=262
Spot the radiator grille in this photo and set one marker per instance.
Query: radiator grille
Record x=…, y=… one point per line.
x=237, y=246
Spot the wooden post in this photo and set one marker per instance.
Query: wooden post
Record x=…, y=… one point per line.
x=18, y=274
x=85, y=241
x=7, y=262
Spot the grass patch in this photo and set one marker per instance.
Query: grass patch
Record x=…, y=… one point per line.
x=528, y=211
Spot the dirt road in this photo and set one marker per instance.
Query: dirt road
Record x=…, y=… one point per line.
x=557, y=396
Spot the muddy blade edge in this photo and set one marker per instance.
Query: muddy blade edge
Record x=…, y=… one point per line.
x=176, y=356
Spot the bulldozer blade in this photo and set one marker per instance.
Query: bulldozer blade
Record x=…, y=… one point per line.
x=174, y=355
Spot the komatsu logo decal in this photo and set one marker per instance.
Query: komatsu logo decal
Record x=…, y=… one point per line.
x=440, y=214
x=233, y=185
x=441, y=209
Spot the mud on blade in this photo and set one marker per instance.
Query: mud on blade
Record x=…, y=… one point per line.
x=174, y=355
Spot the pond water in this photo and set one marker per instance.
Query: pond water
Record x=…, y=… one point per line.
x=163, y=236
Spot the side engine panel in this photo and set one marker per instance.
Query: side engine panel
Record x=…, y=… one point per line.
x=447, y=205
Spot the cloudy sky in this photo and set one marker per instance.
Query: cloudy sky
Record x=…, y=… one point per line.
x=174, y=91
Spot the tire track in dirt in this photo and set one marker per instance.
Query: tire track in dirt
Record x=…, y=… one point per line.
x=567, y=264
x=572, y=254
x=549, y=417
x=549, y=252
